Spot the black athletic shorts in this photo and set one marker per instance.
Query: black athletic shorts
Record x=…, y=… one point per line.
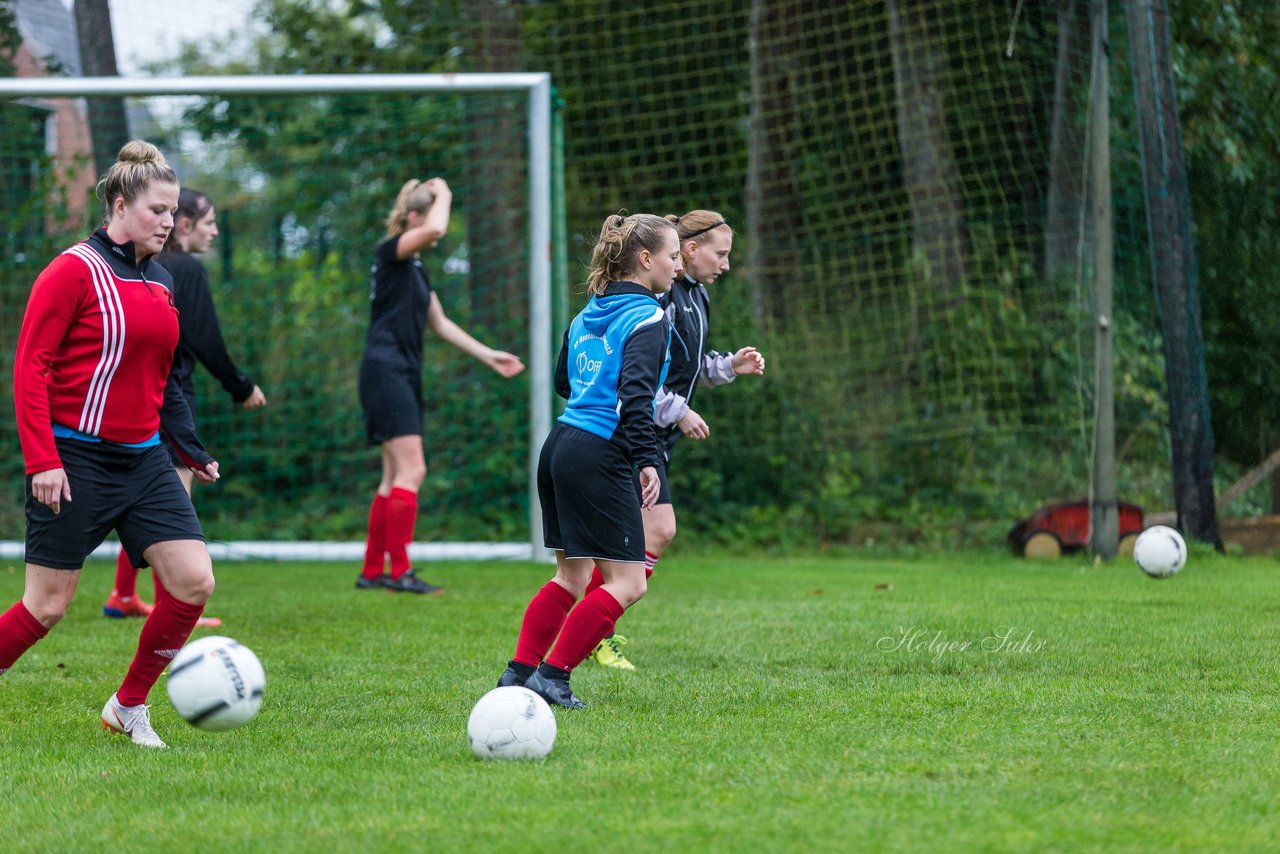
x=590, y=498
x=132, y=490
x=392, y=401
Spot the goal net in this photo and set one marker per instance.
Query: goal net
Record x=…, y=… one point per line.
x=302, y=172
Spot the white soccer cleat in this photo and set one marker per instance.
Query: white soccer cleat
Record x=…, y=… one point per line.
x=133, y=721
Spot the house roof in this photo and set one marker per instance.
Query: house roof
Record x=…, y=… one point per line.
x=50, y=32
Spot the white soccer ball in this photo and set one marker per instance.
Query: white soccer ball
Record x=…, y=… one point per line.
x=511, y=723
x=216, y=683
x=1160, y=551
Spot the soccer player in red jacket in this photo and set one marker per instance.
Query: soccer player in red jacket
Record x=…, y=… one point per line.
x=92, y=390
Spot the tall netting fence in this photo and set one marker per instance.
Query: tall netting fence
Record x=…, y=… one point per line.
x=906, y=181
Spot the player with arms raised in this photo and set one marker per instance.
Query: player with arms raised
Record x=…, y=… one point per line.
x=401, y=306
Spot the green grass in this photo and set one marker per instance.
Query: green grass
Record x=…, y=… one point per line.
x=768, y=713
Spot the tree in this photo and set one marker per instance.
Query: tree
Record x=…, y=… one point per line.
x=1064, y=203
x=775, y=194
x=108, y=124
x=10, y=38
x=495, y=178
x=932, y=179
x=1228, y=60
x=1174, y=270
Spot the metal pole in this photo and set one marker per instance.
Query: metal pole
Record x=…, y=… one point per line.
x=540, y=218
x=262, y=84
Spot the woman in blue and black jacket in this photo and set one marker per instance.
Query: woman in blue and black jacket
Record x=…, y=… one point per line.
x=705, y=242
x=599, y=466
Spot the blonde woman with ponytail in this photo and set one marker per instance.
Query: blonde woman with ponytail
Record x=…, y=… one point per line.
x=598, y=467
x=402, y=306
x=705, y=242
x=93, y=388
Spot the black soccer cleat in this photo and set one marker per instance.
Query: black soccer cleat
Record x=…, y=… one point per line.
x=377, y=583
x=554, y=691
x=516, y=674
x=410, y=583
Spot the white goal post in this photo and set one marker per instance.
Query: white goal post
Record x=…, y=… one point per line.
x=537, y=85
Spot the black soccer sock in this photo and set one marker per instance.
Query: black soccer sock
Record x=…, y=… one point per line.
x=524, y=671
x=553, y=672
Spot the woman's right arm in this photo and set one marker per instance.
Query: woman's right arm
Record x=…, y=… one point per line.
x=51, y=309
x=433, y=226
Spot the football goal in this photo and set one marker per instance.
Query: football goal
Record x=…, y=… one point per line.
x=303, y=171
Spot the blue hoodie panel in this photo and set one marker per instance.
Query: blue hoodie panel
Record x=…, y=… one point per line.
x=597, y=338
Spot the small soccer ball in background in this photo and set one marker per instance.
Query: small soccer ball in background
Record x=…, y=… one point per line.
x=1160, y=551
x=511, y=723
x=216, y=683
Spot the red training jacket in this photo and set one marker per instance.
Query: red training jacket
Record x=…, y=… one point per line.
x=95, y=353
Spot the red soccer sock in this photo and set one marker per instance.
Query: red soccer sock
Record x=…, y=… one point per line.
x=650, y=563
x=19, y=631
x=542, y=621
x=597, y=579
x=402, y=512
x=163, y=634
x=588, y=624
x=375, y=548
x=126, y=576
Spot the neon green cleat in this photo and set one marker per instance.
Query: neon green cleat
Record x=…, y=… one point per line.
x=607, y=653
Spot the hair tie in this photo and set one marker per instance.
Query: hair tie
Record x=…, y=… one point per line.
x=705, y=230
x=619, y=222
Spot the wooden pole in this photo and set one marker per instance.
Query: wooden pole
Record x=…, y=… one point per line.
x=1104, y=512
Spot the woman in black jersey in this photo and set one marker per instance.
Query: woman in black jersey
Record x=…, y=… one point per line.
x=402, y=305
x=195, y=225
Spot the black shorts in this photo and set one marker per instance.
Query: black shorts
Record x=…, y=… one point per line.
x=590, y=498
x=392, y=401
x=133, y=490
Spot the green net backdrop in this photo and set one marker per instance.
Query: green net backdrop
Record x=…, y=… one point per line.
x=905, y=180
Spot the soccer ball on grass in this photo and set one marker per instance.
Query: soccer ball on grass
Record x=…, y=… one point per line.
x=1160, y=551
x=511, y=723
x=216, y=683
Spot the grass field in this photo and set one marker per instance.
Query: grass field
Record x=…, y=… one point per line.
x=973, y=702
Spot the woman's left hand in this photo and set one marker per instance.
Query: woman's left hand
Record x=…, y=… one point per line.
x=255, y=399
x=208, y=474
x=506, y=364
x=649, y=486
x=748, y=361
